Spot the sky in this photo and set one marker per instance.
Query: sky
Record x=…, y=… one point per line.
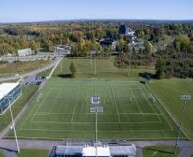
x=46, y=10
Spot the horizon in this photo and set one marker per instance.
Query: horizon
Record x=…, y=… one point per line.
x=37, y=11
x=101, y=20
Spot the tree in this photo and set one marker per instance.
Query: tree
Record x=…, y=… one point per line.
x=148, y=47
x=73, y=69
x=160, y=68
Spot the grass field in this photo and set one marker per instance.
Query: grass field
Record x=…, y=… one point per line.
x=169, y=93
x=20, y=67
x=159, y=151
x=61, y=110
x=27, y=92
x=33, y=153
x=104, y=69
x=2, y=155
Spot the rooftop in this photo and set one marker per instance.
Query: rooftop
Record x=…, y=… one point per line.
x=6, y=88
x=101, y=151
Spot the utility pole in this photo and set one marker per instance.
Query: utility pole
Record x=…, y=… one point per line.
x=95, y=64
x=13, y=126
x=184, y=98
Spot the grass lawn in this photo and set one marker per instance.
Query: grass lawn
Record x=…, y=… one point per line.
x=45, y=72
x=62, y=110
x=2, y=155
x=159, y=151
x=5, y=119
x=191, y=155
x=33, y=153
x=21, y=67
x=169, y=92
x=104, y=69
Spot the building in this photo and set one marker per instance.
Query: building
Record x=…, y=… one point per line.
x=9, y=92
x=100, y=151
x=108, y=43
x=127, y=31
x=24, y=52
x=92, y=151
x=62, y=50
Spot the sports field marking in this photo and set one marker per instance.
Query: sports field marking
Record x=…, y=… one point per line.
x=32, y=110
x=158, y=103
x=61, y=130
x=82, y=123
x=130, y=138
x=38, y=98
x=144, y=92
x=45, y=114
x=75, y=103
x=38, y=106
x=115, y=103
x=133, y=95
x=130, y=113
x=154, y=114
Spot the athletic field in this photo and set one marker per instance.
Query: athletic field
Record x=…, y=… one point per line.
x=62, y=111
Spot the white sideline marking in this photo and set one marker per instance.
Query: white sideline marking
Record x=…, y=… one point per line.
x=115, y=103
x=75, y=103
x=81, y=123
x=61, y=130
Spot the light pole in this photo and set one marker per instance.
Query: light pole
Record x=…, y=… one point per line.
x=13, y=126
x=184, y=98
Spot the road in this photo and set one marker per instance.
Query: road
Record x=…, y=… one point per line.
x=31, y=73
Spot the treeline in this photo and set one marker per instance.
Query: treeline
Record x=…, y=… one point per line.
x=177, y=59
x=82, y=37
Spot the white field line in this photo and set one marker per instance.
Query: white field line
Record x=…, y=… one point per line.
x=75, y=103
x=159, y=109
x=31, y=110
x=137, y=102
x=82, y=123
x=38, y=106
x=145, y=97
x=115, y=103
x=130, y=138
x=130, y=113
x=154, y=114
x=61, y=130
x=46, y=114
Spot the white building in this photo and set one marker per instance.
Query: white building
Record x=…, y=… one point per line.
x=62, y=50
x=100, y=151
x=92, y=151
x=9, y=92
x=129, y=32
x=24, y=52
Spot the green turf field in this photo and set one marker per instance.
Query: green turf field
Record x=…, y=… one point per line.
x=169, y=92
x=33, y=153
x=62, y=110
x=159, y=151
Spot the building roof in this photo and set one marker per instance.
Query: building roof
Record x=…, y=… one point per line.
x=24, y=50
x=6, y=88
x=101, y=151
x=123, y=150
x=68, y=150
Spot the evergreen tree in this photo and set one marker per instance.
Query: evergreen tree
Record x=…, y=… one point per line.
x=160, y=68
x=73, y=69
